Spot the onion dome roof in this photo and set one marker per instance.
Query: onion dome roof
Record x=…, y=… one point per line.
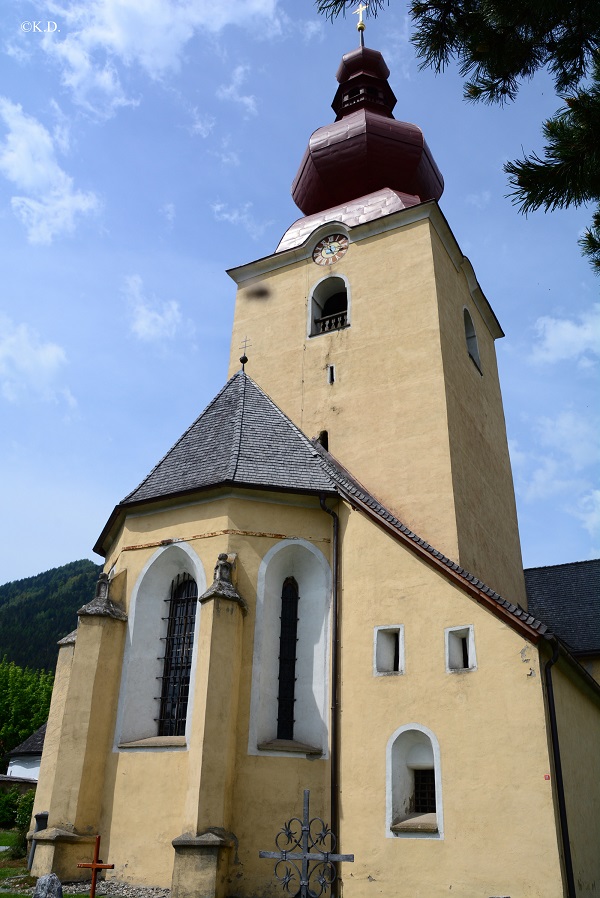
x=366, y=148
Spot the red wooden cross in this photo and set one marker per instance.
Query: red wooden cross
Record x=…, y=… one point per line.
x=95, y=866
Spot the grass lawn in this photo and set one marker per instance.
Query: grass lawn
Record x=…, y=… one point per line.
x=7, y=837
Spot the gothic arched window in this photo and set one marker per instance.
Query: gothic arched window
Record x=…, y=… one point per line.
x=179, y=644
x=288, y=638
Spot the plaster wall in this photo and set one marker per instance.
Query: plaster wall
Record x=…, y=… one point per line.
x=45, y=786
x=578, y=720
x=386, y=411
x=488, y=534
x=24, y=765
x=250, y=793
x=499, y=835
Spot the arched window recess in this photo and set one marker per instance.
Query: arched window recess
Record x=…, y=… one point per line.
x=414, y=792
x=177, y=658
x=329, y=306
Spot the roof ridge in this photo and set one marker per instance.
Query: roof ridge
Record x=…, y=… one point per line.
x=182, y=437
x=544, y=567
x=234, y=458
x=352, y=487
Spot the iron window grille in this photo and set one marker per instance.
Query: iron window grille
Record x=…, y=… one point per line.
x=177, y=659
x=288, y=639
x=424, y=791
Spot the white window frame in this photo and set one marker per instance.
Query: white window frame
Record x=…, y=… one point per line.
x=392, y=772
x=309, y=567
x=378, y=643
x=466, y=631
x=139, y=694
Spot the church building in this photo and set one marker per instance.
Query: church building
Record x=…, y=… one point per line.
x=320, y=587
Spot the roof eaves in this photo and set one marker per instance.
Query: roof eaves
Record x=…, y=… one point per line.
x=359, y=496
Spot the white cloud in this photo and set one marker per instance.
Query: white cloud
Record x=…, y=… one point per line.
x=588, y=512
x=225, y=154
x=168, y=210
x=240, y=217
x=152, y=34
x=479, y=200
x=573, y=436
x=151, y=319
x=559, y=339
x=201, y=124
x=232, y=91
x=51, y=205
x=29, y=366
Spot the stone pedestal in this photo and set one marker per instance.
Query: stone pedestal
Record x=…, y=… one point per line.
x=60, y=851
x=201, y=864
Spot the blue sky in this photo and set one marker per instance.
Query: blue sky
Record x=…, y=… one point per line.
x=145, y=147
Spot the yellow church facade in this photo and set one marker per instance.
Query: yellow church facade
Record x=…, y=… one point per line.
x=320, y=588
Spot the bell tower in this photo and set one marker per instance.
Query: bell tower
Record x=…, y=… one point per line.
x=368, y=327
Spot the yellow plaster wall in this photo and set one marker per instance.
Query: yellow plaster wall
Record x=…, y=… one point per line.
x=386, y=412
x=578, y=719
x=498, y=809
x=486, y=512
x=43, y=792
x=257, y=788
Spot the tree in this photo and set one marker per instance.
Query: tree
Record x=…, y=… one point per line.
x=24, y=704
x=498, y=44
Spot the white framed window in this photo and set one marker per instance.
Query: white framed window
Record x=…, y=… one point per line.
x=388, y=650
x=329, y=306
x=414, y=808
x=141, y=696
x=294, y=566
x=460, y=649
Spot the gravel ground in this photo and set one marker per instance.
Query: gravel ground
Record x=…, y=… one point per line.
x=113, y=889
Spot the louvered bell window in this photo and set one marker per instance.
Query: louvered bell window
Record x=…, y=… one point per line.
x=177, y=659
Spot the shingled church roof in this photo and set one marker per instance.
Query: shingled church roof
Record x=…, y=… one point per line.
x=567, y=597
x=241, y=438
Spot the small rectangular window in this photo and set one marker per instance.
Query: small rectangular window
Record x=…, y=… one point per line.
x=460, y=649
x=331, y=374
x=388, y=650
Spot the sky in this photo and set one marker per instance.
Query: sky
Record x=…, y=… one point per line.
x=148, y=145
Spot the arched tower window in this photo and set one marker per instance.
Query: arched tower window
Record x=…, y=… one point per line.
x=287, y=659
x=414, y=800
x=471, y=338
x=329, y=306
x=179, y=643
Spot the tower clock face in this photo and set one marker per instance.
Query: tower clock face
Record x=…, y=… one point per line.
x=330, y=249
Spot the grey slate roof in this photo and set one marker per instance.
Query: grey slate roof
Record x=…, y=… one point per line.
x=33, y=745
x=567, y=596
x=241, y=438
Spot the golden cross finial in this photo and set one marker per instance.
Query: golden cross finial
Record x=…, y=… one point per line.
x=359, y=12
x=360, y=27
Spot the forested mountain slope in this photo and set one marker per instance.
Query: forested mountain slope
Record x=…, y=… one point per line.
x=38, y=611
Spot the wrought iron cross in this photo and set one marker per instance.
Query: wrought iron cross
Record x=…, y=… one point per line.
x=244, y=358
x=95, y=866
x=306, y=854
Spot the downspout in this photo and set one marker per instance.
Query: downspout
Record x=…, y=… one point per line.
x=335, y=686
x=560, y=789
